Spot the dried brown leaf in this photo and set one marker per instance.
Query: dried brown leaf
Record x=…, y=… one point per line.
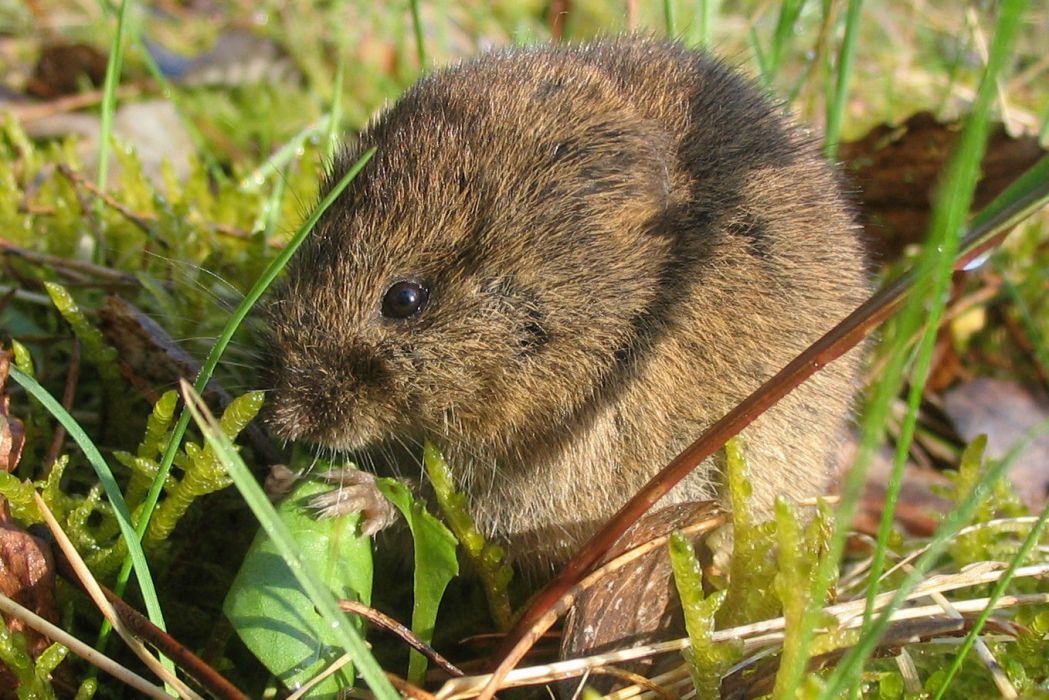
x=638, y=603
x=27, y=576
x=62, y=68
x=896, y=168
x=12, y=432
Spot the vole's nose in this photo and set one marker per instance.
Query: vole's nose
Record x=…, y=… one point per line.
x=352, y=366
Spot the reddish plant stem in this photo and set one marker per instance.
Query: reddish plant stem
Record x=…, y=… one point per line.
x=835, y=343
x=68, y=396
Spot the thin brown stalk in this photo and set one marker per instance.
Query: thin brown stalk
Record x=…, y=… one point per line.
x=68, y=395
x=70, y=103
x=835, y=343
x=139, y=625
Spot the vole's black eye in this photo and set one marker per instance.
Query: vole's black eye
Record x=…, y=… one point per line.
x=404, y=299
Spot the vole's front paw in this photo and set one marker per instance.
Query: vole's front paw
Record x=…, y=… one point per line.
x=356, y=492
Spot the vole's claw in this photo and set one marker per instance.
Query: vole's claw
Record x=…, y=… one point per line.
x=356, y=492
x=280, y=481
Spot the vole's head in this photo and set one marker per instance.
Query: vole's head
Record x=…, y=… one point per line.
x=487, y=270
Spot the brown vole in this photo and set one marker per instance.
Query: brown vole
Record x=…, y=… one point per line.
x=561, y=265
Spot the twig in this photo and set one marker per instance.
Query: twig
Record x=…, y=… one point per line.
x=70, y=103
x=142, y=220
x=409, y=690
x=78, y=180
x=636, y=679
x=93, y=589
x=67, y=264
x=384, y=621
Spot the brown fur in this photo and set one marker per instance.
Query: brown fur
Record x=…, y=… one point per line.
x=621, y=241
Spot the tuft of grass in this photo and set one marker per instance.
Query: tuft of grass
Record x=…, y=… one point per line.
x=925, y=305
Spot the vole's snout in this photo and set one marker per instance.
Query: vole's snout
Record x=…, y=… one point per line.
x=324, y=395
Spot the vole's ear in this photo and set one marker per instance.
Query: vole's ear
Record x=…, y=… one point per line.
x=615, y=163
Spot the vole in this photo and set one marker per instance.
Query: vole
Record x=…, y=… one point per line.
x=561, y=265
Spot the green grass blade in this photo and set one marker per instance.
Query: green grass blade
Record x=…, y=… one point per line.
x=783, y=37
x=109, y=106
x=270, y=217
x=331, y=139
x=212, y=360
x=322, y=598
x=669, y=18
x=274, y=165
x=109, y=93
x=1026, y=194
x=109, y=485
x=846, y=54
x=417, y=28
x=707, y=13
x=759, y=57
x=1043, y=133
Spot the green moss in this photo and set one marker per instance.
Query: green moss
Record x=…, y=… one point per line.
x=488, y=560
x=203, y=472
x=753, y=563
x=707, y=661
x=15, y=655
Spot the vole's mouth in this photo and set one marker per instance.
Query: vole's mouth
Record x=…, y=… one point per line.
x=339, y=437
x=393, y=457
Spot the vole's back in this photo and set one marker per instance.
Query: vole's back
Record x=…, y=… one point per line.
x=619, y=242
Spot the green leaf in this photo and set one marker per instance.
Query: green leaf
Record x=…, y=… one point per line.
x=435, y=565
x=272, y=614
x=331, y=619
